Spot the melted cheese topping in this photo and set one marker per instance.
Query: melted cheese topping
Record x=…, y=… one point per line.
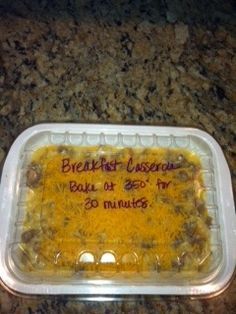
x=113, y=209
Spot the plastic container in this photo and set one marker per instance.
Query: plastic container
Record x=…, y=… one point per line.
x=113, y=209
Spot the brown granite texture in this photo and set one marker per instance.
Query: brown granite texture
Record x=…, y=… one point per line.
x=78, y=67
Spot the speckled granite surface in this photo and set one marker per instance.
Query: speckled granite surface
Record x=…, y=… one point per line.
x=145, y=62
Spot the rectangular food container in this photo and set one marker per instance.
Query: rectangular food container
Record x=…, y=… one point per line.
x=97, y=270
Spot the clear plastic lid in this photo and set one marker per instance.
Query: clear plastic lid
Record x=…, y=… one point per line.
x=108, y=209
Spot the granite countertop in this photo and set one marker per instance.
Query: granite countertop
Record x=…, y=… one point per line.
x=140, y=62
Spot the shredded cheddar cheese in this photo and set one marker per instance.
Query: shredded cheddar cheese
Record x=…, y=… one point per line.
x=115, y=209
